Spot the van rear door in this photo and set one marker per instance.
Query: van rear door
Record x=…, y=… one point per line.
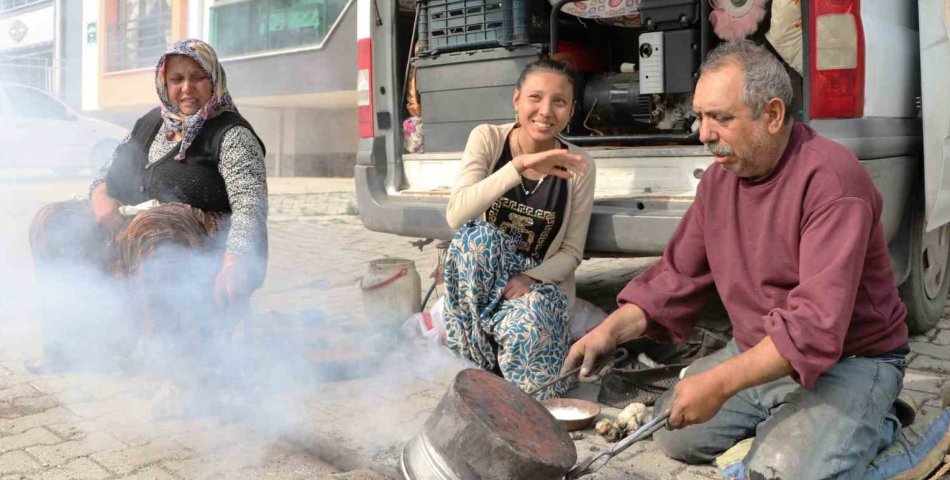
x=934, y=26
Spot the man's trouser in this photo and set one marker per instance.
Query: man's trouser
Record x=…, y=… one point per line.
x=833, y=430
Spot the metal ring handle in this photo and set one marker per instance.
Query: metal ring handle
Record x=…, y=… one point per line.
x=388, y=281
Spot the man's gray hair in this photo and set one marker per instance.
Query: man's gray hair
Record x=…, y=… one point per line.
x=765, y=76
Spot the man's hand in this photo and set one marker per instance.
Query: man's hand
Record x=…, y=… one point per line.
x=597, y=344
x=626, y=323
x=697, y=399
x=517, y=286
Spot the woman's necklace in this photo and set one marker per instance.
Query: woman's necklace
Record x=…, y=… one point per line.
x=527, y=192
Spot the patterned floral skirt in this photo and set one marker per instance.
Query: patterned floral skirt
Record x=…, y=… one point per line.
x=526, y=338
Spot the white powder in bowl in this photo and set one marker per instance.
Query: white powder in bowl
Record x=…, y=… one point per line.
x=569, y=413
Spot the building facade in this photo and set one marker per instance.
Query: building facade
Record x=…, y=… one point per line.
x=39, y=46
x=291, y=67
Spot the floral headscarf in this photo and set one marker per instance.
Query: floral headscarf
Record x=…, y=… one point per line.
x=188, y=126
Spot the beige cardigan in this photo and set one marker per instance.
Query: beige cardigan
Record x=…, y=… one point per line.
x=477, y=188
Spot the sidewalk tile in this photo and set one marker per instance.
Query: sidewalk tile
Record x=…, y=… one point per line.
x=127, y=460
x=17, y=462
x=150, y=473
x=65, y=452
x=78, y=469
x=34, y=436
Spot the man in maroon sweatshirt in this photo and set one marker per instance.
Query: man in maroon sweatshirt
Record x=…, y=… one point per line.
x=786, y=227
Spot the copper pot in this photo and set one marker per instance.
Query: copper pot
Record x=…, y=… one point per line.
x=486, y=428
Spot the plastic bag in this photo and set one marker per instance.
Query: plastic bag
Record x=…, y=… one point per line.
x=586, y=317
x=785, y=33
x=624, y=13
x=429, y=324
x=412, y=135
x=732, y=22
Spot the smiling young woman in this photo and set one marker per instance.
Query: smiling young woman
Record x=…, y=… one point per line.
x=520, y=206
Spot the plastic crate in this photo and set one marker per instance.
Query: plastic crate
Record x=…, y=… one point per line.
x=457, y=25
x=463, y=89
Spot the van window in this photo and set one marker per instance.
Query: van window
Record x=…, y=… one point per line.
x=29, y=103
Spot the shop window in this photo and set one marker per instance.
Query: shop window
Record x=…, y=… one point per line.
x=29, y=66
x=13, y=4
x=253, y=26
x=140, y=35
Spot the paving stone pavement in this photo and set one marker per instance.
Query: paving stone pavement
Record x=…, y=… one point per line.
x=353, y=404
x=346, y=247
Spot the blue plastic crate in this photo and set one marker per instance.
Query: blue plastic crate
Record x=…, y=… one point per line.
x=456, y=25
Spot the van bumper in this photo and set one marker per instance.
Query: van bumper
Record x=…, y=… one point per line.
x=634, y=228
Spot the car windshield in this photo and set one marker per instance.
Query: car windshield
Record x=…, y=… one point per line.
x=30, y=103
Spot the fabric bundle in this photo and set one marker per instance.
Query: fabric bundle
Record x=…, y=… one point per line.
x=736, y=19
x=785, y=32
x=67, y=232
x=621, y=13
x=173, y=223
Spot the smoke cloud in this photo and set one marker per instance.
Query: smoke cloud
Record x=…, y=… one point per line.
x=133, y=355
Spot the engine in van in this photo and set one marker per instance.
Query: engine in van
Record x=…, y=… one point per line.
x=653, y=94
x=613, y=104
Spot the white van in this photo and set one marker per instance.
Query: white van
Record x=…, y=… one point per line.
x=872, y=76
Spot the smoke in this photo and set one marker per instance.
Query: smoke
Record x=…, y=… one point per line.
x=171, y=355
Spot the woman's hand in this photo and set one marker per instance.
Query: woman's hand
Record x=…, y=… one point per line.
x=232, y=284
x=517, y=286
x=558, y=162
x=106, y=209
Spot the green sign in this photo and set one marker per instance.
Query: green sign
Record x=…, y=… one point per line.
x=92, y=30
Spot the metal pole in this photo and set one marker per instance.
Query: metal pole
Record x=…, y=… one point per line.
x=59, y=48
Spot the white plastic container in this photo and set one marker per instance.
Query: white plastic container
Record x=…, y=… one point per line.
x=391, y=291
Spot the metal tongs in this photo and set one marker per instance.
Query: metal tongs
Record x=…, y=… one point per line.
x=595, y=462
x=619, y=355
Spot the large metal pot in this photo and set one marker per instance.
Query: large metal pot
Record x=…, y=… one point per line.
x=486, y=428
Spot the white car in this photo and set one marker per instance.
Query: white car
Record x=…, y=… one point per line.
x=36, y=130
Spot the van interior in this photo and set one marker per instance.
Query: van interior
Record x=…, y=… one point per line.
x=637, y=62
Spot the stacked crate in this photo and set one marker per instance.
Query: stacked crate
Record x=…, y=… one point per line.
x=470, y=55
x=457, y=25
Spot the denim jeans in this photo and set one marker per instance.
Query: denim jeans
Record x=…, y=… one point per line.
x=833, y=430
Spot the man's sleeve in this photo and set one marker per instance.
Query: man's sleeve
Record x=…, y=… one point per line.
x=809, y=332
x=674, y=290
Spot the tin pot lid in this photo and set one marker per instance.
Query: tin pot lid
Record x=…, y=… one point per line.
x=485, y=427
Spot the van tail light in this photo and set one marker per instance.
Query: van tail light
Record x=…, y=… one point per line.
x=364, y=86
x=836, y=65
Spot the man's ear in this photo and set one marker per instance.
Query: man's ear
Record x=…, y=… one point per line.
x=775, y=113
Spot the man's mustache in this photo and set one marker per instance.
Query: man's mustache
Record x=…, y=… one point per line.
x=720, y=150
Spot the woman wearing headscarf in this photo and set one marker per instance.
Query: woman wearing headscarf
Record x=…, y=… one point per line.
x=204, y=165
